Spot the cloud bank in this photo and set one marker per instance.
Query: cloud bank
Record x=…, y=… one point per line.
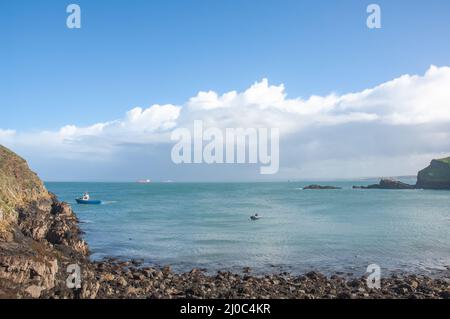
x=367, y=133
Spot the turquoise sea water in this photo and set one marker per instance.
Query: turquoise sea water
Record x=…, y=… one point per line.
x=207, y=225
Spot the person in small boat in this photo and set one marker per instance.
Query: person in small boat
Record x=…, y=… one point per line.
x=254, y=217
x=86, y=196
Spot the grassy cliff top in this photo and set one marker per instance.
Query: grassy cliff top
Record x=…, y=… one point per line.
x=444, y=160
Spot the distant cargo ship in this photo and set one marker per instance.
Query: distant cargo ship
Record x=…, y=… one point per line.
x=144, y=181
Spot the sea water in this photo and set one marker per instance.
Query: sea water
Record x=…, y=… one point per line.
x=207, y=225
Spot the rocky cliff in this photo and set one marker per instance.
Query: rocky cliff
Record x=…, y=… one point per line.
x=39, y=236
x=436, y=175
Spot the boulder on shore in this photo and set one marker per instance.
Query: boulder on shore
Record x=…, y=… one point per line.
x=436, y=175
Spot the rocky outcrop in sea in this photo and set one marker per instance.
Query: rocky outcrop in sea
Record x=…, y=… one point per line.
x=387, y=183
x=315, y=187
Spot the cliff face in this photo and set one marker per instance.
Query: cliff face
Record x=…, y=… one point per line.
x=39, y=236
x=436, y=175
x=19, y=187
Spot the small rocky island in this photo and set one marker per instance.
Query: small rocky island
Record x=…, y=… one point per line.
x=40, y=237
x=320, y=187
x=387, y=183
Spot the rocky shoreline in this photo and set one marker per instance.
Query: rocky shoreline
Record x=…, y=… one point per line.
x=127, y=279
x=40, y=240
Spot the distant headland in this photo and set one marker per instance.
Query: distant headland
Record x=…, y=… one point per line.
x=435, y=176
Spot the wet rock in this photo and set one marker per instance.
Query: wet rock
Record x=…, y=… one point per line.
x=137, y=262
x=414, y=284
x=166, y=270
x=34, y=291
x=107, y=277
x=122, y=281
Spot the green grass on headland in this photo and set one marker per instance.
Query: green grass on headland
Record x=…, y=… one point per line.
x=444, y=160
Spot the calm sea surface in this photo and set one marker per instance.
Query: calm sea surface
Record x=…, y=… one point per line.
x=207, y=225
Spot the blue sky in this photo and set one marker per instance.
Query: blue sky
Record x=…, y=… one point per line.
x=131, y=53
x=140, y=53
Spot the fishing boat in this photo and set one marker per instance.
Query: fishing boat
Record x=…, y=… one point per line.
x=88, y=202
x=85, y=199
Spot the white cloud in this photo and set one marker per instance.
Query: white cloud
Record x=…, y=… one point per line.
x=137, y=121
x=407, y=100
x=139, y=126
x=6, y=134
x=157, y=117
x=414, y=109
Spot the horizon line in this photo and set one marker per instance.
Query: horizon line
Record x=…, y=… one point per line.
x=234, y=181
